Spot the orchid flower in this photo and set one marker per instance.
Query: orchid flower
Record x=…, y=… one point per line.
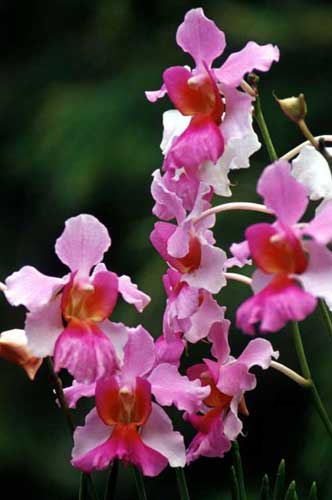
x=218, y=423
x=13, y=348
x=189, y=247
x=212, y=118
x=68, y=317
x=126, y=423
x=294, y=266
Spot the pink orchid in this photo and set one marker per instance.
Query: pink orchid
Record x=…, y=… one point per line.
x=13, y=348
x=292, y=269
x=206, y=98
x=155, y=362
x=189, y=247
x=189, y=311
x=126, y=423
x=68, y=316
x=218, y=423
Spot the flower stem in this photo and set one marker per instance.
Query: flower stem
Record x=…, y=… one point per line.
x=238, y=205
x=239, y=470
x=111, y=481
x=86, y=480
x=290, y=374
x=182, y=483
x=326, y=315
x=57, y=385
x=241, y=278
x=307, y=374
x=264, y=130
x=140, y=484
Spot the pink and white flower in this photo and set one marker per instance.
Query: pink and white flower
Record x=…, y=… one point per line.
x=212, y=118
x=218, y=423
x=126, y=423
x=189, y=311
x=294, y=264
x=189, y=247
x=68, y=317
x=14, y=348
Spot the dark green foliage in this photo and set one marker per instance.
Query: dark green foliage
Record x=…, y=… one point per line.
x=265, y=488
x=279, y=485
x=313, y=492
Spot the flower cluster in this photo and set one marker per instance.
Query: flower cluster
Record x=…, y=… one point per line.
x=131, y=375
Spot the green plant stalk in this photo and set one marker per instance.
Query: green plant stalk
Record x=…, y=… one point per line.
x=235, y=485
x=307, y=374
x=86, y=480
x=264, y=130
x=111, y=481
x=326, y=315
x=265, y=488
x=182, y=483
x=239, y=470
x=279, y=486
x=140, y=484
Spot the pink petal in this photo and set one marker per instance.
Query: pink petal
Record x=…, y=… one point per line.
x=169, y=387
x=154, y=95
x=218, y=335
x=273, y=307
x=252, y=56
x=234, y=378
x=158, y=434
x=212, y=443
x=32, y=289
x=118, y=334
x=209, y=275
x=282, y=193
x=320, y=228
x=232, y=424
x=91, y=435
x=126, y=444
x=178, y=243
x=200, y=37
x=208, y=313
x=139, y=356
x=43, y=327
x=82, y=243
x=78, y=391
x=202, y=141
x=85, y=351
x=241, y=253
x=168, y=204
x=259, y=352
x=160, y=236
x=132, y=294
x=169, y=352
x=317, y=278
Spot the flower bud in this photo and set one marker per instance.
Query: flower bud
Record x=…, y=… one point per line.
x=295, y=108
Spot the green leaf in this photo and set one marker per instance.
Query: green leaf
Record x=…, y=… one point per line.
x=111, y=481
x=291, y=492
x=265, y=488
x=235, y=485
x=313, y=492
x=279, y=486
x=84, y=491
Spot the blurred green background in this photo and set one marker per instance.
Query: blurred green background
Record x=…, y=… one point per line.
x=77, y=135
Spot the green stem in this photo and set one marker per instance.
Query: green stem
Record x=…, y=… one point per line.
x=57, y=385
x=264, y=130
x=182, y=483
x=111, y=481
x=239, y=470
x=140, y=484
x=306, y=372
x=326, y=315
